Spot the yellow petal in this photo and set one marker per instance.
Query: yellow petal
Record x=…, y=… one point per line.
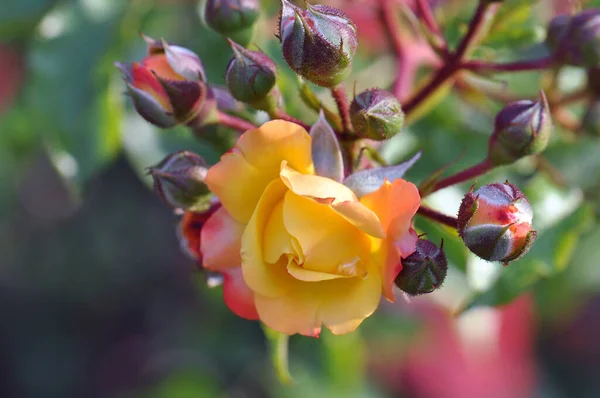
x=242, y=175
x=220, y=241
x=330, y=244
x=340, y=304
x=396, y=204
x=263, y=277
x=327, y=191
x=277, y=240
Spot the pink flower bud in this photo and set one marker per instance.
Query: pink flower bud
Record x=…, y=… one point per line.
x=318, y=43
x=167, y=87
x=495, y=222
x=424, y=270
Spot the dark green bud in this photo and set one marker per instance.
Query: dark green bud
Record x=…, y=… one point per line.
x=233, y=18
x=424, y=270
x=376, y=114
x=251, y=76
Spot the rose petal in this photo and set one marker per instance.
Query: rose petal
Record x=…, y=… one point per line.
x=242, y=175
x=396, y=204
x=220, y=241
x=340, y=197
x=340, y=304
x=237, y=295
x=330, y=244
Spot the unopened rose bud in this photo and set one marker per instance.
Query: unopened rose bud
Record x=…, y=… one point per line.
x=557, y=30
x=190, y=227
x=251, y=77
x=318, y=43
x=376, y=114
x=424, y=270
x=167, y=87
x=233, y=18
x=521, y=128
x=576, y=40
x=495, y=222
x=591, y=119
x=179, y=181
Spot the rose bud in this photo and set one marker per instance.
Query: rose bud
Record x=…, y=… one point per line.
x=167, y=87
x=495, y=222
x=591, y=119
x=318, y=43
x=190, y=228
x=424, y=270
x=521, y=128
x=251, y=77
x=576, y=40
x=179, y=181
x=233, y=18
x=376, y=114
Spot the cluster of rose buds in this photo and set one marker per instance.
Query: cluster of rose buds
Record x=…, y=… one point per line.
x=284, y=216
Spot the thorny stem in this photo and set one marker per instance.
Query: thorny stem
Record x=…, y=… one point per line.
x=437, y=216
x=467, y=174
x=484, y=11
x=517, y=66
x=339, y=95
x=234, y=122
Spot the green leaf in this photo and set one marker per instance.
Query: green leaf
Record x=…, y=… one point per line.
x=550, y=254
x=20, y=17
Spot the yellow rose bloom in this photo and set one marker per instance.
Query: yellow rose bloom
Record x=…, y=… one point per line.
x=298, y=250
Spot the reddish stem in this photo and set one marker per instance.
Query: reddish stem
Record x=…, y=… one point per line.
x=454, y=61
x=517, y=66
x=426, y=13
x=234, y=122
x=339, y=95
x=467, y=174
x=437, y=216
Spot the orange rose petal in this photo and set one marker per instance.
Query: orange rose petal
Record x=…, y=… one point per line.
x=159, y=65
x=396, y=204
x=242, y=175
x=144, y=80
x=237, y=295
x=220, y=241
